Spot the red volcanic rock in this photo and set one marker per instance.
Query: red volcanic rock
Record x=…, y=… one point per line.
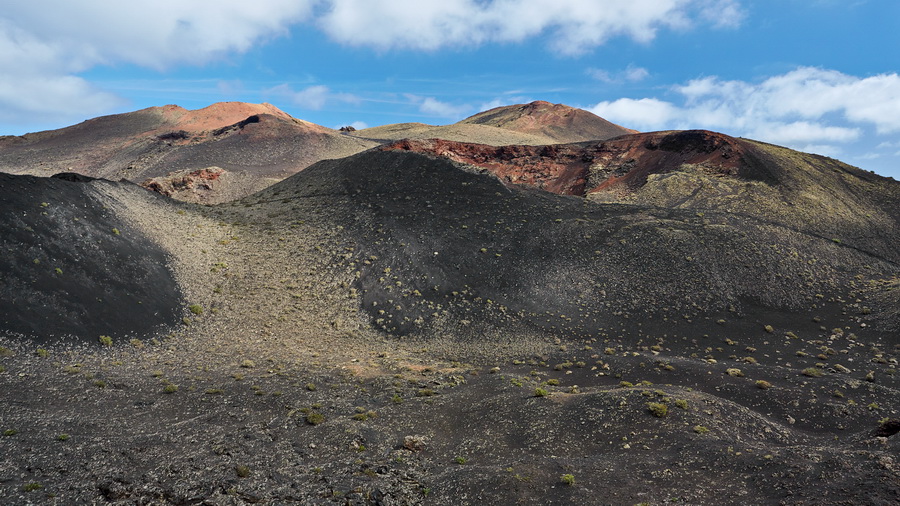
x=198, y=180
x=618, y=165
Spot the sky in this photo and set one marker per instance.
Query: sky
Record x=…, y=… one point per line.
x=815, y=75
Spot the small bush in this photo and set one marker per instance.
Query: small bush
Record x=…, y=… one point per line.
x=737, y=373
x=812, y=372
x=105, y=340
x=41, y=352
x=315, y=418
x=658, y=409
x=681, y=403
x=311, y=387
x=10, y=432
x=541, y=392
x=567, y=479
x=196, y=309
x=242, y=471
x=63, y=437
x=763, y=385
x=170, y=389
x=32, y=486
x=699, y=429
x=460, y=460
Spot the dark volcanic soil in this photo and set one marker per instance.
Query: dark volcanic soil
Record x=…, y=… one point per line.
x=396, y=328
x=70, y=266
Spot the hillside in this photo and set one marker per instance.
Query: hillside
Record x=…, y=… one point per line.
x=559, y=122
x=703, y=171
x=258, y=143
x=399, y=328
x=534, y=124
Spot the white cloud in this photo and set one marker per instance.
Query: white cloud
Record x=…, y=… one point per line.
x=434, y=107
x=44, y=45
x=312, y=97
x=807, y=107
x=573, y=26
x=645, y=113
x=630, y=74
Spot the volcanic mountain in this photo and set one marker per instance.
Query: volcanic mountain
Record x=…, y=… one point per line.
x=703, y=171
x=536, y=123
x=250, y=145
x=556, y=121
x=424, y=323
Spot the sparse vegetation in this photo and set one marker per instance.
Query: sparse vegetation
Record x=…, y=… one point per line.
x=567, y=479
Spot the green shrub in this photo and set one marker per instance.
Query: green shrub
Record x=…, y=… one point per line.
x=315, y=418
x=105, y=340
x=567, y=479
x=196, y=309
x=658, y=409
x=541, y=392
x=813, y=372
x=763, y=384
x=170, y=389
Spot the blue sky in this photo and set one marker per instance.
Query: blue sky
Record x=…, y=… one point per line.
x=815, y=75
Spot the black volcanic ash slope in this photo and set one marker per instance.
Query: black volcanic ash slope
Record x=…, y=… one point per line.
x=70, y=267
x=447, y=248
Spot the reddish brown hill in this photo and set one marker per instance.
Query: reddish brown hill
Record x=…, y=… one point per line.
x=257, y=140
x=622, y=164
x=706, y=171
x=557, y=121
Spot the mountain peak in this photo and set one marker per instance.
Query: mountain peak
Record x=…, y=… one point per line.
x=560, y=122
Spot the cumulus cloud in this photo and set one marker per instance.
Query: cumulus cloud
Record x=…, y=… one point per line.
x=573, y=26
x=312, y=97
x=804, y=107
x=45, y=45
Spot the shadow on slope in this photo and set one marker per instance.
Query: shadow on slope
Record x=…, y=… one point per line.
x=444, y=248
x=69, y=266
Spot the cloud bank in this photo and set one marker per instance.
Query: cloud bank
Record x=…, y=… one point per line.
x=45, y=44
x=574, y=26
x=804, y=108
